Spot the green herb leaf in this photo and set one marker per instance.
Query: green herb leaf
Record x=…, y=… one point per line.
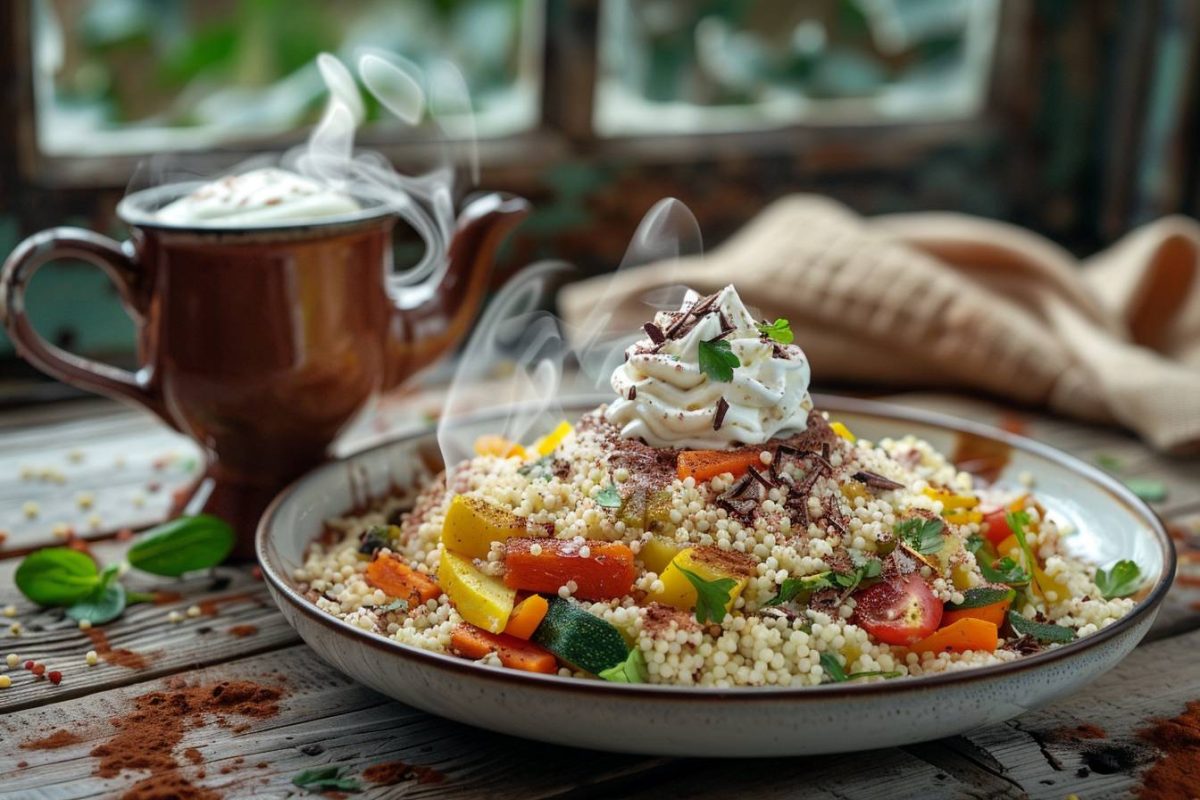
x=718, y=361
x=539, y=470
x=711, y=596
x=183, y=545
x=1042, y=631
x=57, y=576
x=1110, y=463
x=105, y=604
x=1017, y=520
x=1121, y=580
x=922, y=535
x=780, y=331
x=395, y=605
x=631, y=670
x=133, y=598
x=1147, y=489
x=609, y=497
x=836, y=674
x=1004, y=571
x=325, y=779
x=792, y=588
x=982, y=596
x=975, y=542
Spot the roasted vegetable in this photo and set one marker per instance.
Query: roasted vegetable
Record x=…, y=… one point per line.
x=472, y=524
x=527, y=615
x=548, y=443
x=959, y=637
x=704, y=465
x=707, y=563
x=492, y=445
x=988, y=603
x=657, y=553
x=600, y=570
x=577, y=638
x=481, y=599
x=397, y=579
x=472, y=642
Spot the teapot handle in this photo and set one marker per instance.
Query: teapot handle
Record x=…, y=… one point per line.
x=120, y=265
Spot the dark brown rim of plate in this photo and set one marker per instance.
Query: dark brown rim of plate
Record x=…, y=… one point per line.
x=1119, y=492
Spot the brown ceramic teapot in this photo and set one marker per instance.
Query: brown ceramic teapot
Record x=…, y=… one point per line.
x=262, y=343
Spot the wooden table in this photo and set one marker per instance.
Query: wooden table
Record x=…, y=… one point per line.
x=99, y=468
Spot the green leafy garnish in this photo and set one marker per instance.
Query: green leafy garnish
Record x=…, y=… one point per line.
x=1121, y=580
x=326, y=779
x=1147, y=489
x=718, y=361
x=104, y=605
x=711, y=596
x=922, y=535
x=833, y=669
x=982, y=596
x=395, y=605
x=609, y=497
x=864, y=568
x=183, y=545
x=1003, y=571
x=1044, y=632
x=1017, y=520
x=57, y=576
x=541, y=469
x=1110, y=463
x=631, y=670
x=780, y=331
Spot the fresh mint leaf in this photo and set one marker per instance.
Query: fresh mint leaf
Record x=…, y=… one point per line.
x=780, y=331
x=57, y=576
x=718, y=361
x=326, y=779
x=609, y=497
x=1147, y=489
x=183, y=545
x=711, y=596
x=982, y=596
x=924, y=536
x=1044, y=632
x=631, y=670
x=105, y=604
x=1121, y=580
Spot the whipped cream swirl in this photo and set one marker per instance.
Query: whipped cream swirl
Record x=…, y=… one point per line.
x=666, y=400
x=257, y=197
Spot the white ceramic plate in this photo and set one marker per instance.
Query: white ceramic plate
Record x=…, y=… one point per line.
x=686, y=721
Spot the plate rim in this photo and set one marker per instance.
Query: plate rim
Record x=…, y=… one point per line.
x=281, y=586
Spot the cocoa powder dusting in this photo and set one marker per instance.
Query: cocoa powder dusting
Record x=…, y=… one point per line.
x=115, y=655
x=146, y=737
x=1176, y=774
x=393, y=772
x=60, y=738
x=242, y=631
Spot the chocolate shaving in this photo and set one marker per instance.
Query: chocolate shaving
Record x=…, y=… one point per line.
x=719, y=417
x=778, y=351
x=876, y=481
x=632, y=392
x=701, y=308
x=762, y=479
x=654, y=332
x=726, y=325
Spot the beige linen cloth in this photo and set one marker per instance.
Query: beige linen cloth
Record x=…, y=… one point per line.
x=950, y=301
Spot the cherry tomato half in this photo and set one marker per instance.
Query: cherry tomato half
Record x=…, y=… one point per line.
x=996, y=525
x=900, y=611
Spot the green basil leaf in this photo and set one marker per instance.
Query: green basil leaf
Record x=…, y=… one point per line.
x=711, y=596
x=609, y=497
x=922, y=535
x=183, y=545
x=982, y=596
x=1121, y=580
x=791, y=588
x=57, y=576
x=326, y=779
x=718, y=361
x=631, y=670
x=104, y=605
x=1042, y=631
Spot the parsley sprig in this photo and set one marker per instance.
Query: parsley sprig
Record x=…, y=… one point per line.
x=1003, y=571
x=1121, y=580
x=837, y=674
x=864, y=569
x=779, y=331
x=922, y=535
x=712, y=597
x=718, y=361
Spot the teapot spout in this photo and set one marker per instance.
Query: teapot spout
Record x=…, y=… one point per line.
x=434, y=316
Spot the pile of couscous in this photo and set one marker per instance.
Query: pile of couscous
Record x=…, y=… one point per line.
x=809, y=557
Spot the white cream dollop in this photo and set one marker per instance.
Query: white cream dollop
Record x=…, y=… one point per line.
x=257, y=197
x=665, y=399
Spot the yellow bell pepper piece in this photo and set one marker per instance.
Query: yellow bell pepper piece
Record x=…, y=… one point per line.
x=482, y=600
x=546, y=445
x=950, y=500
x=657, y=553
x=964, y=516
x=679, y=592
x=492, y=445
x=472, y=524
x=844, y=432
x=854, y=489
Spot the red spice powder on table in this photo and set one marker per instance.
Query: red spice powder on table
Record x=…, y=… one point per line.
x=393, y=772
x=146, y=737
x=1176, y=774
x=60, y=738
x=115, y=655
x=242, y=631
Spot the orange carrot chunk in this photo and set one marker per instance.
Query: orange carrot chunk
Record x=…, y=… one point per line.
x=527, y=616
x=600, y=570
x=993, y=613
x=397, y=579
x=514, y=653
x=968, y=633
x=704, y=465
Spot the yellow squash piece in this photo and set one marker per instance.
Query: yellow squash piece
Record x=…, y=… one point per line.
x=951, y=501
x=472, y=524
x=853, y=489
x=547, y=444
x=482, y=600
x=964, y=516
x=657, y=553
x=709, y=563
x=492, y=445
x=844, y=432
x=1042, y=583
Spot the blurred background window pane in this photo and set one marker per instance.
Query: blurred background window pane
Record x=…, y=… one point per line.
x=140, y=76
x=704, y=66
